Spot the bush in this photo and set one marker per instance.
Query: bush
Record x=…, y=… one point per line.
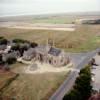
x=1, y=37
x=22, y=49
x=3, y=41
x=19, y=48
x=20, y=41
x=72, y=95
x=0, y=58
x=33, y=44
x=15, y=47
x=11, y=60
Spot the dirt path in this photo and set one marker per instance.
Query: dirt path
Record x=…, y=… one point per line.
x=41, y=26
x=38, y=68
x=45, y=68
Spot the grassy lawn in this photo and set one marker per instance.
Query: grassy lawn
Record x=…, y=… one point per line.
x=34, y=86
x=84, y=38
x=29, y=86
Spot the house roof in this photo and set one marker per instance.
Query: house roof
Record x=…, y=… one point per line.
x=54, y=51
x=30, y=51
x=25, y=44
x=2, y=47
x=41, y=49
x=12, y=54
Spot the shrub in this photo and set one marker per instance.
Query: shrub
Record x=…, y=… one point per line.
x=33, y=44
x=11, y=60
x=20, y=41
x=3, y=41
x=15, y=47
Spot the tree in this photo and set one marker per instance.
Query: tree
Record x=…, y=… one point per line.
x=85, y=70
x=1, y=61
x=72, y=95
x=3, y=41
x=1, y=37
x=0, y=58
x=15, y=47
x=20, y=41
x=33, y=44
x=84, y=81
x=83, y=84
x=82, y=88
x=22, y=49
x=11, y=60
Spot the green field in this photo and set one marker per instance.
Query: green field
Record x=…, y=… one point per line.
x=34, y=87
x=84, y=38
x=55, y=20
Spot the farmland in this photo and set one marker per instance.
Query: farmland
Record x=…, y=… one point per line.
x=29, y=86
x=54, y=20
x=40, y=86
x=84, y=38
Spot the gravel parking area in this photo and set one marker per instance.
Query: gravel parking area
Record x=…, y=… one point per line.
x=96, y=72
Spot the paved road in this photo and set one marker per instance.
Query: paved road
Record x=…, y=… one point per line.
x=69, y=82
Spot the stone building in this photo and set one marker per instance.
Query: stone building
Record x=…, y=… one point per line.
x=29, y=54
x=48, y=54
x=14, y=54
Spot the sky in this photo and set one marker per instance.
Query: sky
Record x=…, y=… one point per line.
x=24, y=7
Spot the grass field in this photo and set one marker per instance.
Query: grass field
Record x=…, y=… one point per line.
x=84, y=38
x=29, y=86
x=4, y=77
x=34, y=87
x=55, y=20
x=41, y=86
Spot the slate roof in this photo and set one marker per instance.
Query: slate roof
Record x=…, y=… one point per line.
x=25, y=44
x=12, y=54
x=54, y=51
x=29, y=52
x=41, y=49
x=2, y=47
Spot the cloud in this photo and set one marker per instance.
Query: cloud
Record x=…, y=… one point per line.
x=42, y=1
x=47, y=6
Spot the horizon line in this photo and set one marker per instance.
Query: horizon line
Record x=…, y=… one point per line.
x=77, y=12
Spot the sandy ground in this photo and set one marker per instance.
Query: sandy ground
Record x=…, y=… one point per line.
x=45, y=68
x=42, y=68
x=44, y=26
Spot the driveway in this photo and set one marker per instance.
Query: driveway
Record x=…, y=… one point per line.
x=80, y=61
x=96, y=72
